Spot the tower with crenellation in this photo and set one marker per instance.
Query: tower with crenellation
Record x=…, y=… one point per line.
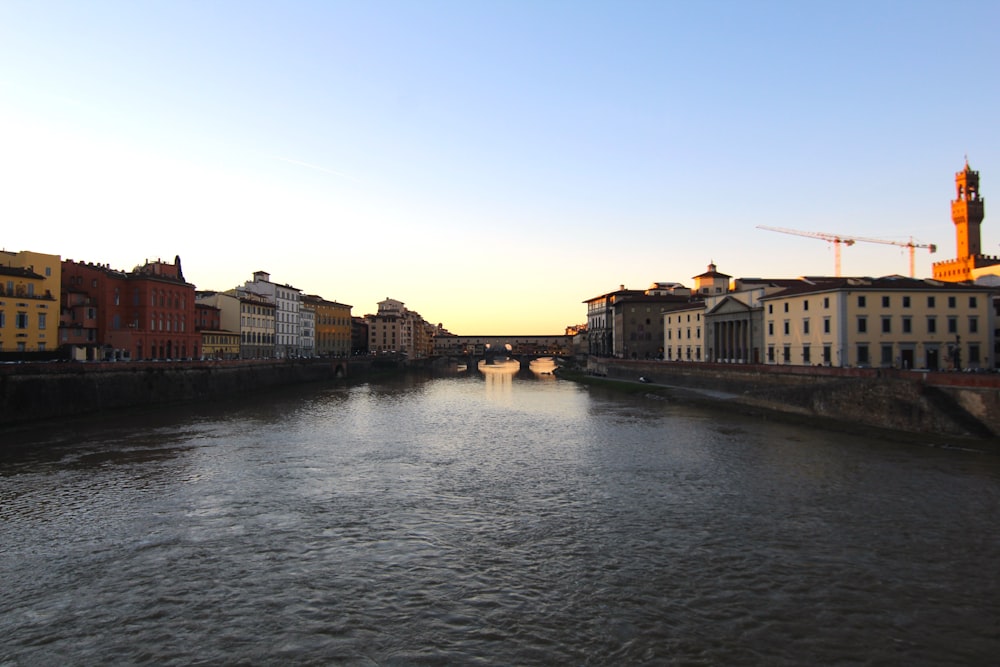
x=967, y=212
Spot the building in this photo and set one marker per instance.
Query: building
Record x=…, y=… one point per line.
x=333, y=326
x=967, y=212
x=147, y=313
x=601, y=320
x=734, y=321
x=711, y=282
x=394, y=329
x=359, y=335
x=216, y=342
x=683, y=332
x=257, y=325
x=637, y=321
x=30, y=286
x=882, y=322
x=307, y=332
x=287, y=313
x=634, y=331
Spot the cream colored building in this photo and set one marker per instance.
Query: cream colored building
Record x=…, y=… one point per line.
x=684, y=333
x=880, y=322
x=395, y=329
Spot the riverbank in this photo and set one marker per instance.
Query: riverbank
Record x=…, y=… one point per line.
x=955, y=406
x=35, y=392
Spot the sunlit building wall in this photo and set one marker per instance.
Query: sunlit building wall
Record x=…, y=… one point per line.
x=29, y=301
x=886, y=322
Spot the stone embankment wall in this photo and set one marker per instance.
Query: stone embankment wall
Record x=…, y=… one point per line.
x=31, y=392
x=956, y=404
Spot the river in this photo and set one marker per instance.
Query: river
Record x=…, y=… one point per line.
x=490, y=519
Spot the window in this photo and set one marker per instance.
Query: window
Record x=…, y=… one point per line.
x=826, y=325
x=973, y=325
x=887, y=355
x=21, y=321
x=826, y=302
x=951, y=302
x=786, y=306
x=861, y=301
x=770, y=328
x=826, y=355
x=41, y=320
x=906, y=302
x=770, y=308
x=862, y=354
x=805, y=304
x=787, y=327
x=787, y=354
x=3, y=319
x=805, y=326
x=972, y=302
x=930, y=302
x=907, y=325
x=973, y=354
x=805, y=355
x=931, y=324
x=885, y=302
x=886, y=325
x=952, y=325
x=862, y=325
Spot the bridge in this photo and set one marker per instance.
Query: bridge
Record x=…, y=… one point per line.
x=469, y=350
x=481, y=346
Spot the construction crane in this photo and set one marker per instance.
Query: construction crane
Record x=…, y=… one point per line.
x=839, y=239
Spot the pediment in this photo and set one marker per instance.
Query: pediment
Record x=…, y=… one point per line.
x=729, y=306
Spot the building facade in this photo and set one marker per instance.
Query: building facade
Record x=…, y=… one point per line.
x=683, y=333
x=396, y=330
x=287, y=302
x=147, y=313
x=638, y=324
x=30, y=287
x=601, y=320
x=880, y=322
x=333, y=326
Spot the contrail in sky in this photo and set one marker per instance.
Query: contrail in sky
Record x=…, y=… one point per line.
x=316, y=167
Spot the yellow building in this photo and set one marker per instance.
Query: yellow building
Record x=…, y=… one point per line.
x=220, y=344
x=333, y=326
x=880, y=322
x=29, y=301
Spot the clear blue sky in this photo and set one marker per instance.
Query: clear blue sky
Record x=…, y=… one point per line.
x=492, y=164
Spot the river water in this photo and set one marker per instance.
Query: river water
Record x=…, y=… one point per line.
x=490, y=519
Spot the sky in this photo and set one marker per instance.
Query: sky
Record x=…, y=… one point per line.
x=493, y=164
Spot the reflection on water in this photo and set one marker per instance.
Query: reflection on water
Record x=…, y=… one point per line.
x=499, y=376
x=423, y=521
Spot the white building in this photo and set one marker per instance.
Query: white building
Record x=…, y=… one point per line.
x=287, y=313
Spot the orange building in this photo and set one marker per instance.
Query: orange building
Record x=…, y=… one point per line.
x=967, y=212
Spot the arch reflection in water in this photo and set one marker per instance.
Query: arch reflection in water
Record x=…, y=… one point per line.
x=544, y=367
x=499, y=376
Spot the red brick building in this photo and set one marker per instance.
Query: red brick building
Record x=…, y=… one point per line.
x=148, y=313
